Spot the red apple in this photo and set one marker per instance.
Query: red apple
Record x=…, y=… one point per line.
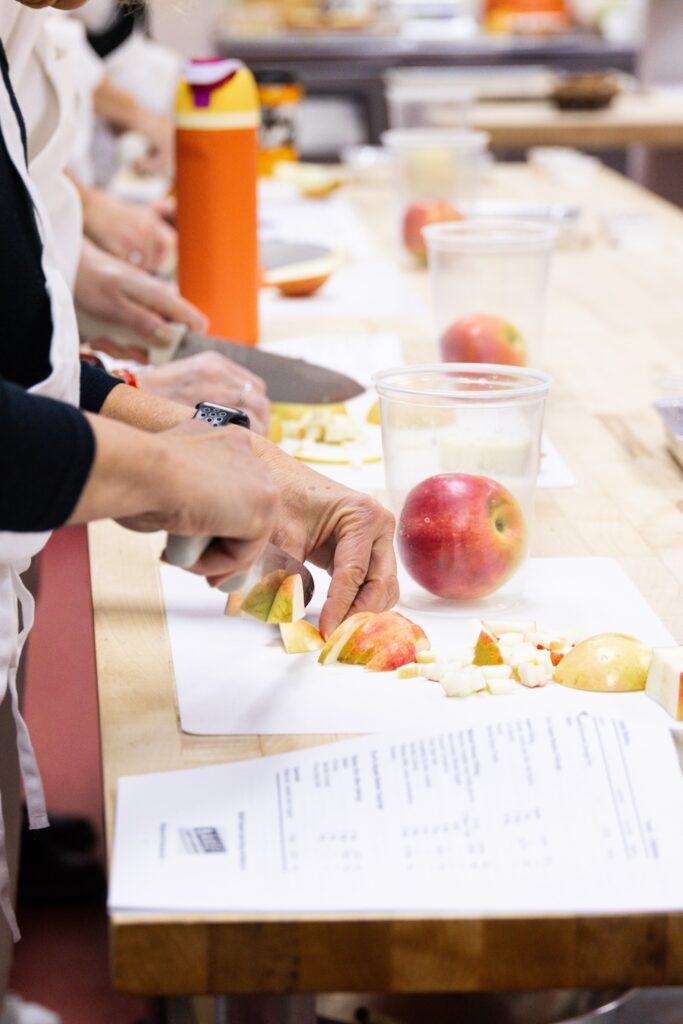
x=417, y=216
x=483, y=339
x=461, y=536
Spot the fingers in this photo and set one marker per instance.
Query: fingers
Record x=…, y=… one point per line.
x=162, y=302
x=351, y=563
x=224, y=559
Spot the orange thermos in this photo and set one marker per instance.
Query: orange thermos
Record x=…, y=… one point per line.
x=217, y=123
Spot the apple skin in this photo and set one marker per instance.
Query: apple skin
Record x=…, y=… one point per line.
x=378, y=633
x=402, y=652
x=483, y=339
x=417, y=216
x=259, y=601
x=606, y=663
x=460, y=536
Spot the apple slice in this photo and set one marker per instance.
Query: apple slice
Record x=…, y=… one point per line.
x=259, y=601
x=288, y=605
x=392, y=657
x=665, y=680
x=487, y=651
x=300, y=637
x=375, y=635
x=417, y=633
x=606, y=663
x=330, y=652
x=234, y=604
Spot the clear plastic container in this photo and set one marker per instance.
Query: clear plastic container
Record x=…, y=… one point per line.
x=434, y=173
x=461, y=451
x=489, y=281
x=427, y=101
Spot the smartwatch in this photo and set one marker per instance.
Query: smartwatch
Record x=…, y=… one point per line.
x=220, y=415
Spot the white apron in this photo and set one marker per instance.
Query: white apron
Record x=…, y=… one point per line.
x=17, y=549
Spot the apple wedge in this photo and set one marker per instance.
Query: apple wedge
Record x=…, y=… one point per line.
x=392, y=657
x=300, y=637
x=259, y=601
x=234, y=604
x=665, y=680
x=288, y=604
x=330, y=652
x=486, y=650
x=378, y=633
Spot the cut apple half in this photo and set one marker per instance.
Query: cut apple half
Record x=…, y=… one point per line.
x=259, y=601
x=330, y=652
x=288, y=604
x=392, y=657
x=300, y=637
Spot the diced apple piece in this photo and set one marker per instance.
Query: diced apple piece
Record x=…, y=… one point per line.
x=260, y=598
x=510, y=639
x=665, y=680
x=402, y=652
x=500, y=687
x=330, y=652
x=234, y=604
x=532, y=675
x=496, y=672
x=288, y=605
x=300, y=637
x=498, y=627
x=487, y=651
x=425, y=657
x=461, y=682
x=434, y=671
x=409, y=671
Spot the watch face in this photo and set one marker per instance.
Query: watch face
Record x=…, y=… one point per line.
x=221, y=415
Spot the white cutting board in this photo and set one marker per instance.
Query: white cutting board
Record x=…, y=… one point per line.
x=233, y=676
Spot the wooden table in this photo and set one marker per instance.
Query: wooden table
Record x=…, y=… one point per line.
x=616, y=322
x=652, y=118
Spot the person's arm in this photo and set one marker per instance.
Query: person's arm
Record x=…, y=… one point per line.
x=123, y=112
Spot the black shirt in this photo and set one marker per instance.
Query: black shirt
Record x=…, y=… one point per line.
x=46, y=447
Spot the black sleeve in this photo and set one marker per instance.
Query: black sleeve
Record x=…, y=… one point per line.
x=47, y=450
x=95, y=386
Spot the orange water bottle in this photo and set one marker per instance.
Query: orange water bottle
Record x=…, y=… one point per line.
x=217, y=122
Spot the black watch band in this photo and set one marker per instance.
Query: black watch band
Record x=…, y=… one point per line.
x=220, y=415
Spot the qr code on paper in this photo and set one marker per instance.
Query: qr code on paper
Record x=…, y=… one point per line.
x=204, y=839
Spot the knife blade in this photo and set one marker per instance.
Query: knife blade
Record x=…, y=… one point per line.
x=185, y=551
x=287, y=379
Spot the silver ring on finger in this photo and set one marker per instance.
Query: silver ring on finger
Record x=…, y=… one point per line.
x=245, y=391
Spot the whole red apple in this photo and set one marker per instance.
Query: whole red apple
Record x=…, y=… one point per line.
x=417, y=216
x=483, y=339
x=461, y=536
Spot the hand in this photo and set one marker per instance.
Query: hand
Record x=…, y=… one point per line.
x=108, y=288
x=340, y=530
x=211, y=377
x=135, y=233
x=209, y=483
x=159, y=131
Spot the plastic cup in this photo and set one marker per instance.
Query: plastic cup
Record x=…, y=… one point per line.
x=427, y=101
x=489, y=281
x=461, y=451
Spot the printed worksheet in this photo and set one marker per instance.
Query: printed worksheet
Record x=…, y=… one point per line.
x=566, y=813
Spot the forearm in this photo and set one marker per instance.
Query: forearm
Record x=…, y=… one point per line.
x=143, y=410
x=127, y=476
x=117, y=107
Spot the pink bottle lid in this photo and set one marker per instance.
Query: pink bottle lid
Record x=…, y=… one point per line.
x=204, y=74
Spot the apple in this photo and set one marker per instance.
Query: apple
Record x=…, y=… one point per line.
x=234, y=604
x=486, y=650
x=417, y=216
x=460, y=536
x=329, y=653
x=300, y=637
x=483, y=339
x=401, y=652
x=377, y=634
x=260, y=598
x=606, y=663
x=288, y=604
x=665, y=680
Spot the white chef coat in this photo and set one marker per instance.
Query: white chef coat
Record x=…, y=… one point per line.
x=17, y=549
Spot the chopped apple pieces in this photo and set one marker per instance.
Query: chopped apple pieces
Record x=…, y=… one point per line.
x=276, y=598
x=260, y=598
x=665, y=680
x=300, y=637
x=288, y=604
x=487, y=651
x=382, y=642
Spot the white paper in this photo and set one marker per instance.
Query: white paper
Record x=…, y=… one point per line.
x=561, y=813
x=330, y=222
x=233, y=676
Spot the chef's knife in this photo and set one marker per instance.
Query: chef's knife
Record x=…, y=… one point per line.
x=287, y=379
x=185, y=551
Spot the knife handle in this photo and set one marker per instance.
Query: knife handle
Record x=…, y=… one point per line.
x=185, y=551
